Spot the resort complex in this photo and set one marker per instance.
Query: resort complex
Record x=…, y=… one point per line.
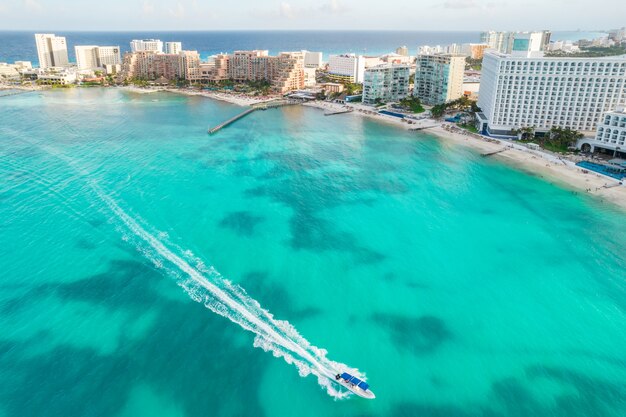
x=507, y=85
x=298, y=208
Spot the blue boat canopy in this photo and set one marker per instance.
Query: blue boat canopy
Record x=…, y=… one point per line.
x=354, y=380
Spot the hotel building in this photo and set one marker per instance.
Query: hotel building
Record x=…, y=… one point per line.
x=312, y=59
x=505, y=42
x=91, y=56
x=150, y=65
x=385, y=83
x=610, y=134
x=146, y=45
x=539, y=92
x=173, y=47
x=346, y=68
x=51, y=50
x=439, y=78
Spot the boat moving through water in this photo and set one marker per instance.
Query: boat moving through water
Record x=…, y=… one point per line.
x=354, y=384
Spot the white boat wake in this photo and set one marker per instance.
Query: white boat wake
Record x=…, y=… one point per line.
x=207, y=286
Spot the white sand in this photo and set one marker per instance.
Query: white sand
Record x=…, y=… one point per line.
x=233, y=98
x=542, y=164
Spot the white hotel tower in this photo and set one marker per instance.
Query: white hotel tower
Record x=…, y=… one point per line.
x=51, y=50
x=539, y=92
x=146, y=45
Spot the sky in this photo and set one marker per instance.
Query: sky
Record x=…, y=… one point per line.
x=118, y=15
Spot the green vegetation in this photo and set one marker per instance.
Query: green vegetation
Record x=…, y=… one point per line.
x=556, y=140
x=461, y=104
x=412, y=103
x=468, y=126
x=473, y=64
x=351, y=88
x=591, y=52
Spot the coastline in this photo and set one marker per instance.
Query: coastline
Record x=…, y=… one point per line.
x=537, y=163
x=237, y=99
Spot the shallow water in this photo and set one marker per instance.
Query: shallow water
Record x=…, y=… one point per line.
x=457, y=285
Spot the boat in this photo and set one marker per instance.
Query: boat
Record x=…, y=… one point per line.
x=354, y=384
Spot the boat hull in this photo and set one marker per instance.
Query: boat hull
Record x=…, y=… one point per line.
x=355, y=389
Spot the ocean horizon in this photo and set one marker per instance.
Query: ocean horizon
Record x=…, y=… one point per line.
x=20, y=45
x=151, y=269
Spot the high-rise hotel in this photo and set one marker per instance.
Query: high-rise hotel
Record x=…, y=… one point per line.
x=541, y=92
x=51, y=50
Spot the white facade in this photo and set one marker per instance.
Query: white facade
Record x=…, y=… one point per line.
x=348, y=68
x=14, y=70
x=385, y=83
x=146, y=45
x=309, y=77
x=109, y=55
x=92, y=56
x=56, y=75
x=51, y=50
x=173, y=47
x=543, y=92
x=610, y=134
x=312, y=59
x=508, y=42
x=86, y=56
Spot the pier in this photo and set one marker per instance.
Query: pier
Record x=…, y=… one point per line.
x=494, y=152
x=415, y=129
x=260, y=106
x=332, y=113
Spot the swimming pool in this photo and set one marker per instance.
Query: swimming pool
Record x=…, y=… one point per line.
x=601, y=169
x=391, y=113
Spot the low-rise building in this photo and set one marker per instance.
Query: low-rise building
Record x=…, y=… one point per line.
x=13, y=71
x=385, y=83
x=56, y=76
x=439, y=78
x=331, y=88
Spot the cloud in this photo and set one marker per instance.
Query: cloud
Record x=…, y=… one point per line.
x=33, y=6
x=178, y=12
x=286, y=10
x=147, y=7
x=332, y=7
x=461, y=4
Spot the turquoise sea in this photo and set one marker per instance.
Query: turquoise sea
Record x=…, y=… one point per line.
x=148, y=269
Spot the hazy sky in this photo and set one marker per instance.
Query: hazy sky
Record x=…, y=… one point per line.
x=311, y=14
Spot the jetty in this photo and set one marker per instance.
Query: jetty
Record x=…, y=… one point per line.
x=255, y=107
x=494, y=152
x=415, y=129
x=332, y=113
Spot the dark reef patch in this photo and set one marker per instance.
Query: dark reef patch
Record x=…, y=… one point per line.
x=242, y=222
x=422, y=335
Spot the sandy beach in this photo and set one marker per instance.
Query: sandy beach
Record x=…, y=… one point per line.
x=545, y=165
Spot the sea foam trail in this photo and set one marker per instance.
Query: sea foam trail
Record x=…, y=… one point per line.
x=207, y=286
x=231, y=301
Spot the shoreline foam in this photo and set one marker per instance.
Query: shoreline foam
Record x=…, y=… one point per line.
x=537, y=163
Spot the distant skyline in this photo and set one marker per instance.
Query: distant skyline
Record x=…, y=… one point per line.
x=146, y=15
